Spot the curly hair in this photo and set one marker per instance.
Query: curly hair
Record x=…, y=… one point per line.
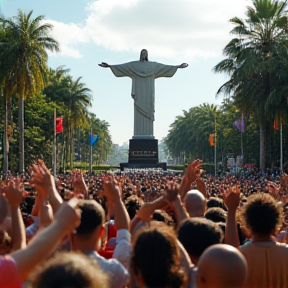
x=156, y=258
x=261, y=214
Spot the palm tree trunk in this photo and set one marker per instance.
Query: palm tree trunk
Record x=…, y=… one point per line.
x=68, y=148
x=72, y=148
x=262, y=149
x=5, y=136
x=5, y=142
x=21, y=134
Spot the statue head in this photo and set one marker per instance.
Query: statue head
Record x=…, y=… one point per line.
x=144, y=55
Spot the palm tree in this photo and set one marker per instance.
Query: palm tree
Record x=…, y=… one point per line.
x=259, y=38
x=4, y=86
x=27, y=41
x=77, y=113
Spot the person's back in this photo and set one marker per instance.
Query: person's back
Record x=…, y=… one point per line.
x=268, y=264
x=267, y=260
x=87, y=240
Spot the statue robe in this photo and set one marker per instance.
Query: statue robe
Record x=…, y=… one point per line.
x=143, y=75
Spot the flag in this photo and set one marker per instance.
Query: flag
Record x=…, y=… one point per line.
x=59, y=125
x=94, y=139
x=211, y=139
x=239, y=125
x=276, y=124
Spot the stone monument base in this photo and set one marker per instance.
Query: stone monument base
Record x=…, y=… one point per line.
x=143, y=153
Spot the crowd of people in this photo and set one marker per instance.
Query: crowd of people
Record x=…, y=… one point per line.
x=143, y=228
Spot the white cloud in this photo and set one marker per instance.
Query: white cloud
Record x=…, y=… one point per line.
x=171, y=28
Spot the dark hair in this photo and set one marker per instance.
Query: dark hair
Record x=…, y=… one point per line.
x=156, y=257
x=92, y=216
x=68, y=269
x=162, y=216
x=132, y=205
x=196, y=234
x=261, y=214
x=216, y=214
x=216, y=202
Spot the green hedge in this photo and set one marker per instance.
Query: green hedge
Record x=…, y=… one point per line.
x=177, y=167
x=208, y=167
x=94, y=167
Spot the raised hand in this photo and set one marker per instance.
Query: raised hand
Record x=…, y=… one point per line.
x=194, y=170
x=42, y=179
x=13, y=192
x=232, y=198
x=80, y=186
x=111, y=189
x=171, y=192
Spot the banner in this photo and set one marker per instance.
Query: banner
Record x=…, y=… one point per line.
x=211, y=139
x=94, y=139
x=239, y=125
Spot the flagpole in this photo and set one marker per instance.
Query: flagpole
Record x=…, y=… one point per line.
x=91, y=155
x=281, y=148
x=54, y=146
x=242, y=153
x=242, y=130
x=215, y=162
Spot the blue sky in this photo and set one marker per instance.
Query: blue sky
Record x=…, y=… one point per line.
x=115, y=31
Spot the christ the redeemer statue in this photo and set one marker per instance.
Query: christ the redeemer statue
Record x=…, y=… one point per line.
x=143, y=74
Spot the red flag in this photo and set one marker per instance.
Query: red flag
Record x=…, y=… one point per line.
x=59, y=125
x=276, y=123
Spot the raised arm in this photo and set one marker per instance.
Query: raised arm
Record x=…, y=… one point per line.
x=232, y=200
x=193, y=172
x=3, y=207
x=79, y=186
x=122, y=250
x=112, y=192
x=43, y=181
x=14, y=195
x=146, y=211
x=47, y=240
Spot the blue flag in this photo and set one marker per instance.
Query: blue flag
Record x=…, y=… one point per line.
x=94, y=139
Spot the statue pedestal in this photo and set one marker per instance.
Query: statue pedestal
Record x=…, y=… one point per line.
x=143, y=153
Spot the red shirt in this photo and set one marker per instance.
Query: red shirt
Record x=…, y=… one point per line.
x=9, y=277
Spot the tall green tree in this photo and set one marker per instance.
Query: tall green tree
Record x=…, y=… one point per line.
x=257, y=43
x=27, y=41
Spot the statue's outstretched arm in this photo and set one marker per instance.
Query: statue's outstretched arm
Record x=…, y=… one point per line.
x=183, y=65
x=103, y=64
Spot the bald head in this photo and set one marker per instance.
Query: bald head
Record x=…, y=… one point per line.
x=222, y=266
x=195, y=203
